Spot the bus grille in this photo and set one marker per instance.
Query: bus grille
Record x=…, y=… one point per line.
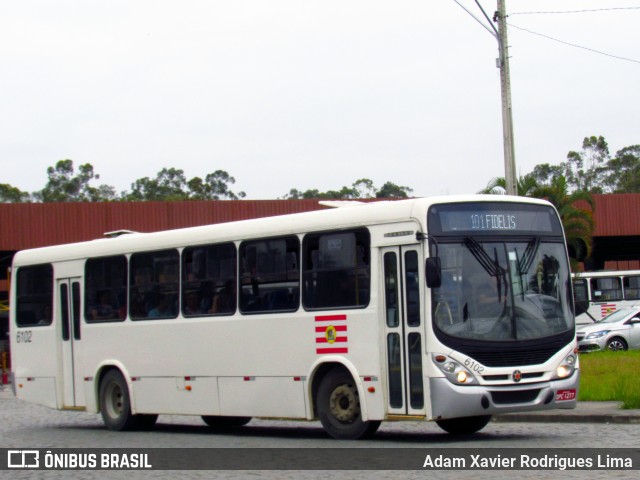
x=503, y=358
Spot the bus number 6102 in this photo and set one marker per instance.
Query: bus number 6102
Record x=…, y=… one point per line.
x=24, y=337
x=473, y=366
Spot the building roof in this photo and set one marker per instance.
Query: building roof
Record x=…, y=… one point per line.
x=32, y=225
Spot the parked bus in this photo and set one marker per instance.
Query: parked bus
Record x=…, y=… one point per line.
x=449, y=309
x=597, y=294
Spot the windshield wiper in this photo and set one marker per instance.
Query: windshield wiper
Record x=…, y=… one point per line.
x=491, y=266
x=524, y=263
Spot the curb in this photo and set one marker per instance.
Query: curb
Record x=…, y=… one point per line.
x=585, y=412
x=557, y=418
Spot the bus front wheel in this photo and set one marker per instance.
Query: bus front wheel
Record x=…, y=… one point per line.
x=339, y=407
x=464, y=425
x=115, y=405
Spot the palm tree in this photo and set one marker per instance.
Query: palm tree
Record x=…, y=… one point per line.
x=526, y=186
x=577, y=221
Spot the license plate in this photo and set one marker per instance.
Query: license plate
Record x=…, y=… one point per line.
x=565, y=395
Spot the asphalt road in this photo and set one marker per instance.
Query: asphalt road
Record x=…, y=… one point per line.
x=24, y=425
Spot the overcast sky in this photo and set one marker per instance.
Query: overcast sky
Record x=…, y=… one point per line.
x=308, y=94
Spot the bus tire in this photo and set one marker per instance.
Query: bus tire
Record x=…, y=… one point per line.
x=464, y=425
x=215, y=421
x=115, y=403
x=339, y=407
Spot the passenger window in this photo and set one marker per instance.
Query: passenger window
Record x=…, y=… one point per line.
x=270, y=275
x=632, y=288
x=105, y=289
x=34, y=298
x=336, y=270
x=209, y=280
x=154, y=284
x=606, y=289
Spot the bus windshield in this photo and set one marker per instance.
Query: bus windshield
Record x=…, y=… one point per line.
x=505, y=273
x=503, y=290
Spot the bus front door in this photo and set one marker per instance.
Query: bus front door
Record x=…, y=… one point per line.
x=69, y=298
x=403, y=289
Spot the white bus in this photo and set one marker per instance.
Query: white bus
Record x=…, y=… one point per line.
x=597, y=294
x=449, y=309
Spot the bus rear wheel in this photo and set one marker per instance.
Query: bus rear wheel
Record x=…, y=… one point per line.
x=215, y=421
x=464, y=425
x=339, y=407
x=115, y=405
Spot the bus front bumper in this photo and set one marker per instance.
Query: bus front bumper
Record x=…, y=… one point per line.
x=454, y=401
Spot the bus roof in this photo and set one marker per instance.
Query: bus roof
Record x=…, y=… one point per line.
x=350, y=215
x=605, y=273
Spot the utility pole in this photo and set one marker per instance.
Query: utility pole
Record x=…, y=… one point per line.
x=505, y=87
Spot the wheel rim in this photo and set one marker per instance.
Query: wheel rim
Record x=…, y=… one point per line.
x=115, y=401
x=343, y=403
x=616, y=345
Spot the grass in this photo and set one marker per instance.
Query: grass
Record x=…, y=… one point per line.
x=610, y=376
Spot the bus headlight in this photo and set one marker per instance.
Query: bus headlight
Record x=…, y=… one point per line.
x=454, y=371
x=566, y=367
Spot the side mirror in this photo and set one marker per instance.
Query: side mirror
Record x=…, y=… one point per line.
x=434, y=272
x=581, y=306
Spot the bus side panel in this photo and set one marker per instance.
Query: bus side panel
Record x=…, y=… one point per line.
x=39, y=390
x=278, y=396
x=34, y=358
x=599, y=310
x=180, y=396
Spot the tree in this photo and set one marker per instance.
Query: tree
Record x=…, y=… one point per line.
x=214, y=187
x=577, y=222
x=546, y=173
x=169, y=184
x=588, y=170
x=526, y=186
x=584, y=170
x=64, y=185
x=10, y=194
x=362, y=188
x=624, y=171
x=391, y=190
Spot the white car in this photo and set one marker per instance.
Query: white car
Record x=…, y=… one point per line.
x=619, y=330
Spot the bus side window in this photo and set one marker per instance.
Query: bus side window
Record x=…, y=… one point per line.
x=269, y=275
x=632, y=288
x=606, y=289
x=336, y=269
x=105, y=289
x=154, y=284
x=34, y=295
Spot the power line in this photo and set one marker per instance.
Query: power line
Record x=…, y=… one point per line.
x=575, y=45
x=576, y=11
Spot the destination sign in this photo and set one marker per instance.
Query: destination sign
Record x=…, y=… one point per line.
x=492, y=217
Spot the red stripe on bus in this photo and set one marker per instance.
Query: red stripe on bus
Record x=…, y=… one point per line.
x=327, y=318
x=337, y=340
x=332, y=350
